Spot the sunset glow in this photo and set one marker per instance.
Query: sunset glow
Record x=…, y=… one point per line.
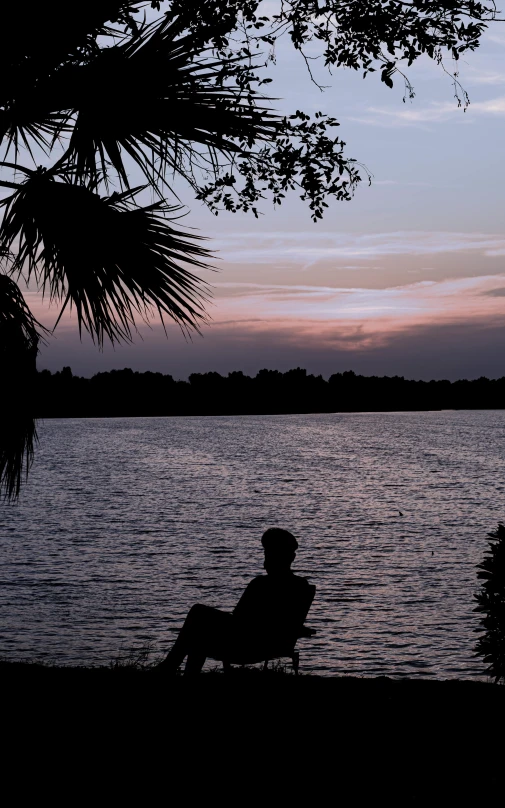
x=407, y=278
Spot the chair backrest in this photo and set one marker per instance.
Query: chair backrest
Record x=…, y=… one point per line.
x=280, y=646
x=311, y=591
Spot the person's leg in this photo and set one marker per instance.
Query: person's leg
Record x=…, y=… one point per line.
x=194, y=663
x=203, y=632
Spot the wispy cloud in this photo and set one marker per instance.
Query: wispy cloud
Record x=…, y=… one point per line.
x=374, y=311
x=477, y=76
x=499, y=292
x=437, y=112
x=254, y=308
x=307, y=247
x=498, y=37
x=403, y=184
x=494, y=252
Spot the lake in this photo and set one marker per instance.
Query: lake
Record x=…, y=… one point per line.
x=125, y=523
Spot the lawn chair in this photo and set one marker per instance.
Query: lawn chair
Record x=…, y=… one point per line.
x=285, y=647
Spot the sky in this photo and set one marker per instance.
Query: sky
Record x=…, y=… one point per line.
x=408, y=278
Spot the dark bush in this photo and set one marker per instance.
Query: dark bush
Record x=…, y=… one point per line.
x=491, y=602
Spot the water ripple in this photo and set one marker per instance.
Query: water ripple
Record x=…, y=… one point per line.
x=127, y=522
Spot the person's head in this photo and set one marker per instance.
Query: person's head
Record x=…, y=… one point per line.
x=280, y=550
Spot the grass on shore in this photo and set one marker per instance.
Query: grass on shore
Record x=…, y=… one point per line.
x=136, y=667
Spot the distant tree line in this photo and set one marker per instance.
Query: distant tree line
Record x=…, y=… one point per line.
x=129, y=393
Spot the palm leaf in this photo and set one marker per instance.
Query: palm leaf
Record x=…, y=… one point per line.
x=20, y=333
x=153, y=99
x=107, y=257
x=19, y=338
x=18, y=435
x=40, y=44
x=43, y=38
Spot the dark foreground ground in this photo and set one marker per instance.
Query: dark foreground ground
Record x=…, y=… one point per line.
x=128, y=736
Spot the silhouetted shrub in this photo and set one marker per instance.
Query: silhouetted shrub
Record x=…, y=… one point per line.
x=491, y=602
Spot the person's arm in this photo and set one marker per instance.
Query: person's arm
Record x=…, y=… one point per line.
x=246, y=607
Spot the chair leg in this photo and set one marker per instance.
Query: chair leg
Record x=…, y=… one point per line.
x=296, y=661
x=265, y=665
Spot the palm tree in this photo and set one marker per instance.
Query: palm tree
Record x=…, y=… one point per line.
x=89, y=97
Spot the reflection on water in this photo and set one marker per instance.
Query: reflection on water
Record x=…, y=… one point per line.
x=126, y=522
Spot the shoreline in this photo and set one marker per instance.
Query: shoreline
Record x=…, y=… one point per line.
x=267, y=414
x=277, y=675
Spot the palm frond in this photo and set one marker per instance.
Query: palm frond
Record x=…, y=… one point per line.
x=156, y=100
x=18, y=435
x=106, y=256
x=20, y=334
x=26, y=124
x=42, y=44
x=35, y=34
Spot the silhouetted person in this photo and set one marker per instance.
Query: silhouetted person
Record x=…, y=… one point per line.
x=272, y=606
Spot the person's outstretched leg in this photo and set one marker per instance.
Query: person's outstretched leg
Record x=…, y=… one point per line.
x=203, y=634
